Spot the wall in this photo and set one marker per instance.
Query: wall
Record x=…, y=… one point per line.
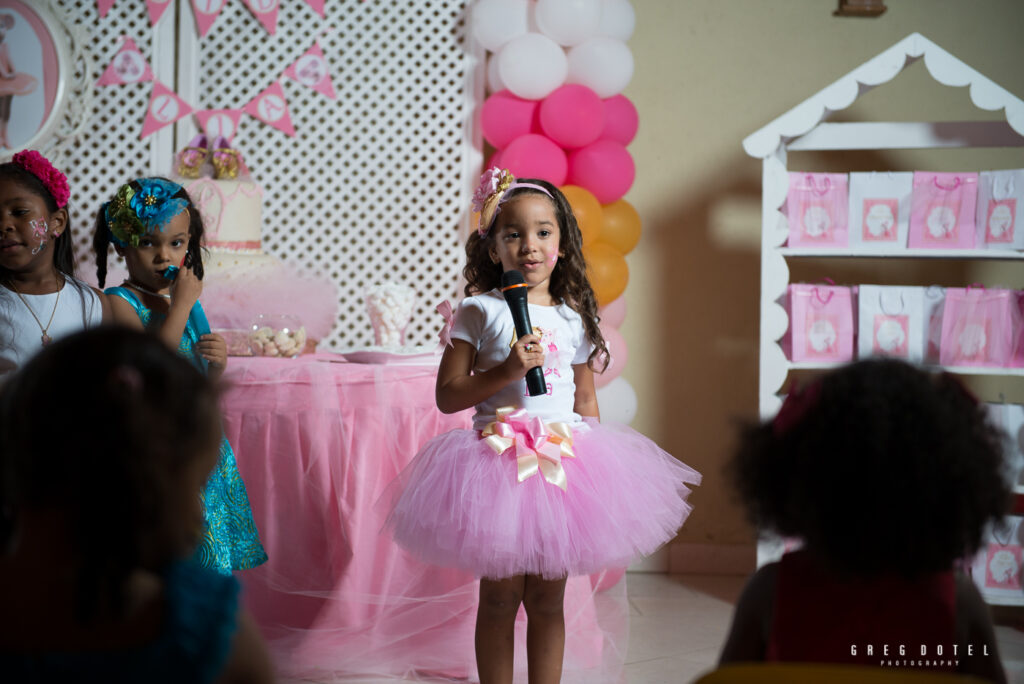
x=708, y=73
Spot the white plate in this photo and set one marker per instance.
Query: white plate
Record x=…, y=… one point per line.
x=425, y=355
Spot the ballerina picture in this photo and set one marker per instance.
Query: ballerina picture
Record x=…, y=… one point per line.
x=12, y=82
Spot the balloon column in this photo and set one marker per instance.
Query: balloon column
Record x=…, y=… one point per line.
x=555, y=74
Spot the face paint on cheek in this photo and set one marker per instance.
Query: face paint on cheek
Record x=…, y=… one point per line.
x=553, y=260
x=39, y=231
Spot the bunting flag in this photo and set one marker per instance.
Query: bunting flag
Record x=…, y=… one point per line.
x=206, y=12
x=216, y=122
x=271, y=108
x=311, y=70
x=156, y=10
x=128, y=66
x=265, y=11
x=165, y=107
x=104, y=6
x=318, y=6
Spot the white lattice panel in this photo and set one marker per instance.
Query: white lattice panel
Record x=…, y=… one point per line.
x=377, y=184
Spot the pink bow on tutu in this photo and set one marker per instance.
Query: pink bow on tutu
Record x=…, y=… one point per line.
x=539, y=447
x=445, y=334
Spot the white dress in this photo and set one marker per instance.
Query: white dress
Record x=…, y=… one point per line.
x=20, y=335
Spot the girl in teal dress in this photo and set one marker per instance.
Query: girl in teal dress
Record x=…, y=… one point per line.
x=153, y=224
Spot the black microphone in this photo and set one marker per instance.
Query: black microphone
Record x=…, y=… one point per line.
x=514, y=289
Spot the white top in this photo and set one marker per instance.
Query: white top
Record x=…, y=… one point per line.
x=486, y=322
x=20, y=334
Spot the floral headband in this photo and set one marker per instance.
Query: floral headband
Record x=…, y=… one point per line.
x=495, y=184
x=142, y=207
x=53, y=180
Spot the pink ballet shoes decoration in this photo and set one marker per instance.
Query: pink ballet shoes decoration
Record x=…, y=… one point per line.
x=539, y=447
x=192, y=158
x=227, y=161
x=445, y=334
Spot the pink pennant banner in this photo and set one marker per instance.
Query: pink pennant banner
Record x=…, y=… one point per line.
x=318, y=6
x=271, y=108
x=165, y=107
x=104, y=6
x=206, y=12
x=266, y=12
x=215, y=122
x=128, y=66
x=156, y=10
x=311, y=70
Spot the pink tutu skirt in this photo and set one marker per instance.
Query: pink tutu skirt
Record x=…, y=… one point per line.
x=460, y=504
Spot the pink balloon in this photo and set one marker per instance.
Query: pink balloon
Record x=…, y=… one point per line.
x=604, y=168
x=495, y=160
x=614, y=314
x=504, y=117
x=620, y=119
x=619, y=353
x=572, y=116
x=535, y=156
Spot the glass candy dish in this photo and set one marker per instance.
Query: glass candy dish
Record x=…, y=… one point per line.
x=277, y=335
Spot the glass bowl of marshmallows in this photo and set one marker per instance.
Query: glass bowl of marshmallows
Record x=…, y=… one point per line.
x=277, y=335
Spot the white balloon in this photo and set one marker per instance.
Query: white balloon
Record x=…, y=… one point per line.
x=495, y=22
x=617, y=19
x=532, y=66
x=617, y=401
x=568, y=22
x=494, y=82
x=605, y=65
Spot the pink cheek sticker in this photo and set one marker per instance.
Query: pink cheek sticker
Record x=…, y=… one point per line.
x=39, y=229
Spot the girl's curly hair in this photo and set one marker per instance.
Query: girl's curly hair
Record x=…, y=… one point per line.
x=885, y=468
x=568, y=284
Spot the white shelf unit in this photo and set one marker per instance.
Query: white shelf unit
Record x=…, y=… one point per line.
x=803, y=129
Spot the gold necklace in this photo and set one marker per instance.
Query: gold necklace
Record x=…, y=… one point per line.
x=46, y=339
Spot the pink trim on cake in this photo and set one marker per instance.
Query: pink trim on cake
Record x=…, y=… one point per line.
x=237, y=245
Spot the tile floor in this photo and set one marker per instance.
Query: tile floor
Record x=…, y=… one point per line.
x=678, y=623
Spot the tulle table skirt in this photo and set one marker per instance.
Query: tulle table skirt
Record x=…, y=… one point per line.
x=317, y=443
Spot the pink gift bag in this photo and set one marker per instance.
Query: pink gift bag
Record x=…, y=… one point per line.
x=979, y=327
x=1000, y=199
x=821, y=323
x=817, y=207
x=942, y=210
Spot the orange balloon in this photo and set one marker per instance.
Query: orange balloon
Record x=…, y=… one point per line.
x=621, y=228
x=607, y=271
x=589, y=214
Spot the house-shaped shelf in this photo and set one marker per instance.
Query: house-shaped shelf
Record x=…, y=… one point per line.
x=805, y=128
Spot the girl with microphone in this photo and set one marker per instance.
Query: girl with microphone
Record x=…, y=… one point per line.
x=539, y=489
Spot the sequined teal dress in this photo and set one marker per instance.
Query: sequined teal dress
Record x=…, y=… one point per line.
x=230, y=541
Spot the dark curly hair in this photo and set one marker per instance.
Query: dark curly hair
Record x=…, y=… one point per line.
x=116, y=462
x=193, y=257
x=63, y=249
x=884, y=468
x=568, y=284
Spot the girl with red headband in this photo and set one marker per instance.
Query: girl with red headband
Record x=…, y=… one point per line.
x=40, y=298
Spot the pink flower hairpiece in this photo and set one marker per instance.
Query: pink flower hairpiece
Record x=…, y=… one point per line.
x=495, y=184
x=52, y=179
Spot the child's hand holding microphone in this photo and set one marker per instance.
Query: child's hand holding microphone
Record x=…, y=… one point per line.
x=526, y=353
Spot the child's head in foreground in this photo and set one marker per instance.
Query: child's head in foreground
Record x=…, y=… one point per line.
x=878, y=466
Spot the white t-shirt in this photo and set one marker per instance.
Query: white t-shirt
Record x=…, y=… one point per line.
x=77, y=308
x=485, y=322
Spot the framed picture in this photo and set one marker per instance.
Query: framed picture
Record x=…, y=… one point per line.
x=35, y=62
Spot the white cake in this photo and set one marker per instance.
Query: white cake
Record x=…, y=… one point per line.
x=232, y=211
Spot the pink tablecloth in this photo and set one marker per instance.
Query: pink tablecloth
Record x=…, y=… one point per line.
x=317, y=443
